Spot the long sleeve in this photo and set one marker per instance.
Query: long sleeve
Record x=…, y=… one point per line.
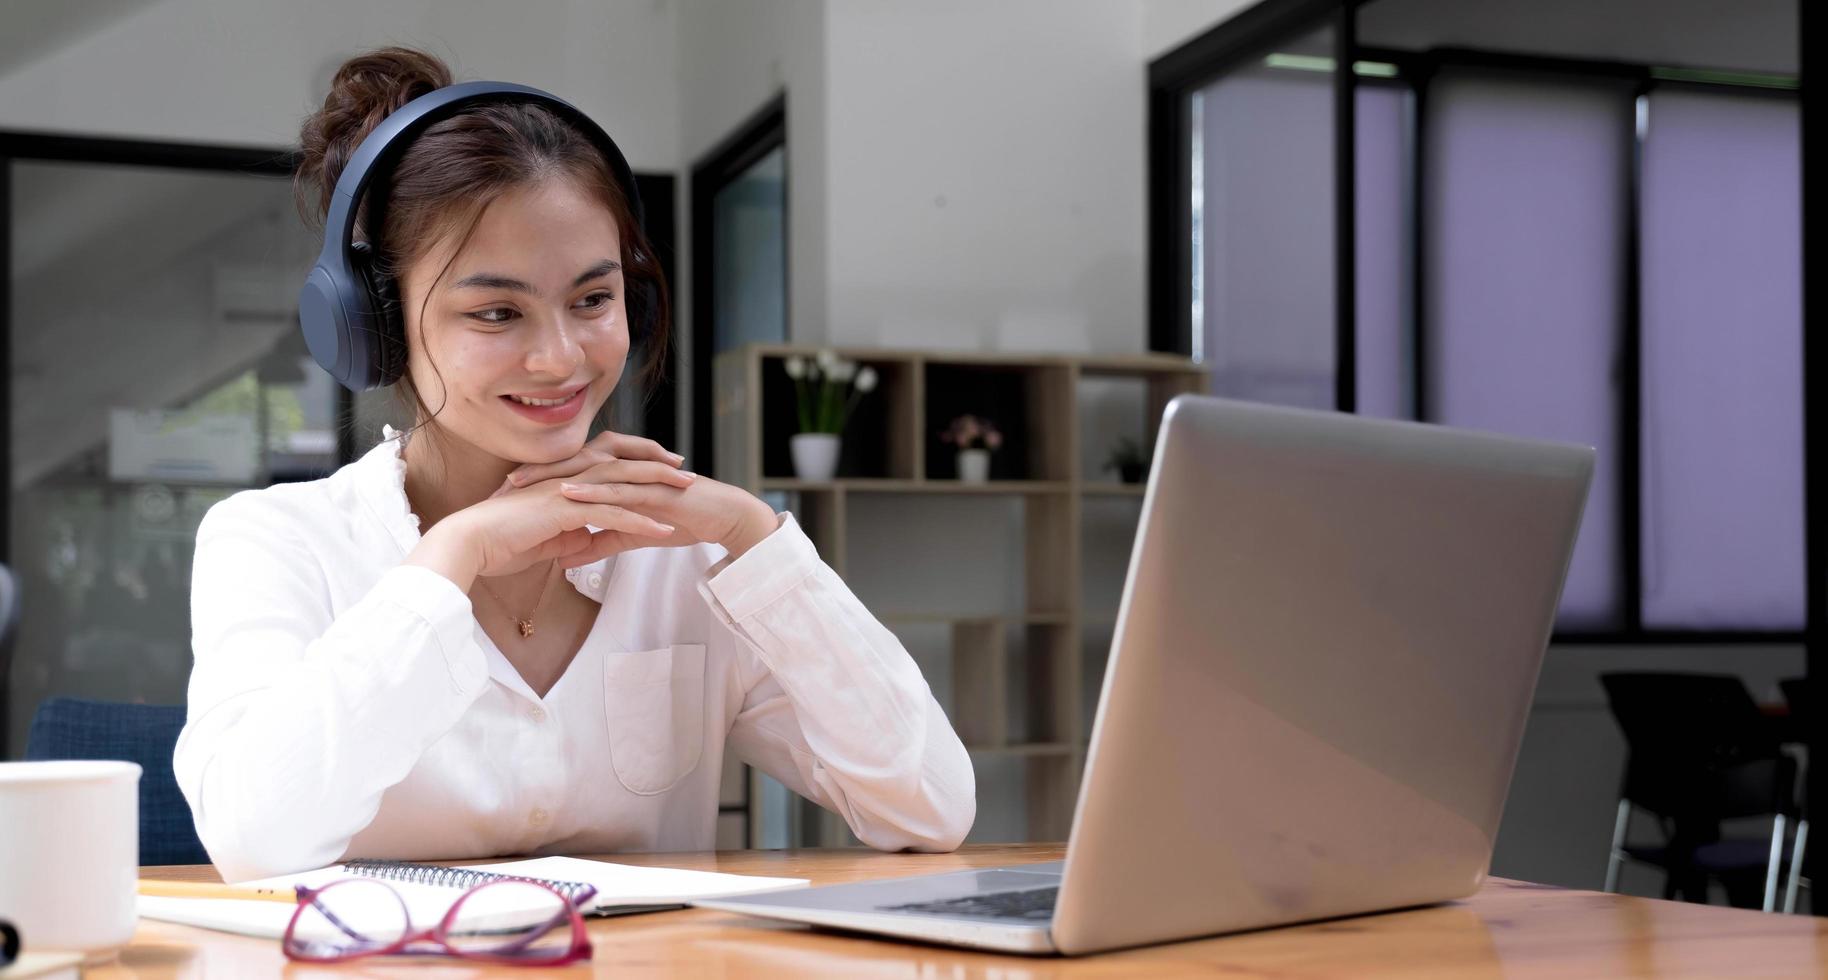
x=838, y=711
x=299, y=718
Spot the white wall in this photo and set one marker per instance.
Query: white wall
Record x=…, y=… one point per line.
x=1168, y=24
x=246, y=72
x=986, y=178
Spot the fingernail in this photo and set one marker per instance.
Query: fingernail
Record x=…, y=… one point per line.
x=515, y=478
x=677, y=459
x=668, y=528
x=570, y=487
x=689, y=475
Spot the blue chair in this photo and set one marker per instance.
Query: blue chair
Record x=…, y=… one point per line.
x=72, y=728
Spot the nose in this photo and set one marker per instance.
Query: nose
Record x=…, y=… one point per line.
x=554, y=348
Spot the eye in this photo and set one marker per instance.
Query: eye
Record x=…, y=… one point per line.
x=597, y=300
x=495, y=317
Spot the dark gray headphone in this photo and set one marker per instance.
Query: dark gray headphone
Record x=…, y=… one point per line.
x=348, y=310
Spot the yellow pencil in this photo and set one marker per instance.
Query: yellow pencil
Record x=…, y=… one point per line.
x=202, y=889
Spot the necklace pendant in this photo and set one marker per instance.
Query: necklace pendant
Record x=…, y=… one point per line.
x=526, y=626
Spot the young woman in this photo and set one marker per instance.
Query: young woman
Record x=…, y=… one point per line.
x=493, y=634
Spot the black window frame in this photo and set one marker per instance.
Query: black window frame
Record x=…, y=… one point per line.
x=760, y=134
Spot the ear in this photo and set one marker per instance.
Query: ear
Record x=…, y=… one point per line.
x=390, y=346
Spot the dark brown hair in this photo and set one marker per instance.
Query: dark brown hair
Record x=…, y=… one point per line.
x=455, y=169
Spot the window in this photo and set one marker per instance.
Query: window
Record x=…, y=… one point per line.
x=156, y=367
x=1593, y=251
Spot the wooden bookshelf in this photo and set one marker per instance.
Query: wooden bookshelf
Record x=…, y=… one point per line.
x=891, y=448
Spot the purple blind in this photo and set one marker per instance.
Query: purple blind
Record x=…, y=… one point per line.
x=1524, y=213
x=1722, y=450
x=1385, y=355
x=1266, y=235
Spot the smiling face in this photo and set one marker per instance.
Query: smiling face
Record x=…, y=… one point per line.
x=524, y=337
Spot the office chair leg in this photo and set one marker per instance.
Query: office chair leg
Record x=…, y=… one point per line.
x=1796, y=866
x=1777, y=858
x=1616, y=860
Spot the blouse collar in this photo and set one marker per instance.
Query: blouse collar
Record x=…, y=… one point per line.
x=381, y=480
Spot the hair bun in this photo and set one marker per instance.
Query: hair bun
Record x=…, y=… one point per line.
x=365, y=90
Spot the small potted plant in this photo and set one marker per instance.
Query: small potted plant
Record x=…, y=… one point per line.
x=1128, y=460
x=826, y=390
x=975, y=438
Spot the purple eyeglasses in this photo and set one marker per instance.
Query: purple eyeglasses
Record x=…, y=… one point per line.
x=511, y=922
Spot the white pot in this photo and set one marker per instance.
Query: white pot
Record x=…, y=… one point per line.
x=70, y=853
x=815, y=455
x=974, y=465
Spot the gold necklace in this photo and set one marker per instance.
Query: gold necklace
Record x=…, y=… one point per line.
x=525, y=625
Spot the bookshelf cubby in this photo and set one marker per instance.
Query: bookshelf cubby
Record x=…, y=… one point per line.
x=1022, y=682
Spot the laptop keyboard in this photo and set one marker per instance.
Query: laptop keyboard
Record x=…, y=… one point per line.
x=1030, y=905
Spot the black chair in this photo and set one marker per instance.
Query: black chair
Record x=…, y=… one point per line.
x=72, y=728
x=1701, y=752
x=1799, y=694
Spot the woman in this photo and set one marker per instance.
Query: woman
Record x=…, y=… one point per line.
x=492, y=635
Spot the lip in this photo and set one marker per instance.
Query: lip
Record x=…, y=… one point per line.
x=549, y=414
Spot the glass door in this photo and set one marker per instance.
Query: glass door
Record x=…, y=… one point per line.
x=155, y=367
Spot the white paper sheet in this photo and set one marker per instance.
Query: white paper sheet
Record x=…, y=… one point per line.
x=620, y=888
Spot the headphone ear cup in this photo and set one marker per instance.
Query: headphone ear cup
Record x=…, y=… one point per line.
x=386, y=341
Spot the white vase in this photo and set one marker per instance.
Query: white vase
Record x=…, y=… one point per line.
x=974, y=465
x=815, y=455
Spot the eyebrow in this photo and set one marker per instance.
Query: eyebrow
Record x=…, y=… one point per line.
x=488, y=280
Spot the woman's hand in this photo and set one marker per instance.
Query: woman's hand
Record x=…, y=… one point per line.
x=699, y=509
x=517, y=528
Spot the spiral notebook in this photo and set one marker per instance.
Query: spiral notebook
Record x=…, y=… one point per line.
x=429, y=891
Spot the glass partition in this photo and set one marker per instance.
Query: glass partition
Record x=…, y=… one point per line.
x=156, y=368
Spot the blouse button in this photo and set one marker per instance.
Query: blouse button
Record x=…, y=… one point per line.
x=596, y=580
x=537, y=714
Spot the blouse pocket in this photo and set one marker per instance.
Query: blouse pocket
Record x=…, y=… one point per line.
x=655, y=703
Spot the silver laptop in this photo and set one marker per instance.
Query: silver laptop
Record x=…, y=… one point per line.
x=1328, y=643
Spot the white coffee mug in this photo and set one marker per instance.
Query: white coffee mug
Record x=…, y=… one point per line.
x=70, y=853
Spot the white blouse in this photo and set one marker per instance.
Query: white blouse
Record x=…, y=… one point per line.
x=345, y=705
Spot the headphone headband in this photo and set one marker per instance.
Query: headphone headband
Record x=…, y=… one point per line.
x=345, y=323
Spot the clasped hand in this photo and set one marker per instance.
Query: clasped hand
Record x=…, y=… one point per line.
x=618, y=493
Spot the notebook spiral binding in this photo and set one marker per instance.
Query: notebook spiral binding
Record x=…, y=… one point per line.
x=432, y=874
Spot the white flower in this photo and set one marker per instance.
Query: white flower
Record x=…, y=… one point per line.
x=828, y=359
x=843, y=371
x=866, y=380
x=796, y=367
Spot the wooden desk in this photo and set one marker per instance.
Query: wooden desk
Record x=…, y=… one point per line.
x=1509, y=929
